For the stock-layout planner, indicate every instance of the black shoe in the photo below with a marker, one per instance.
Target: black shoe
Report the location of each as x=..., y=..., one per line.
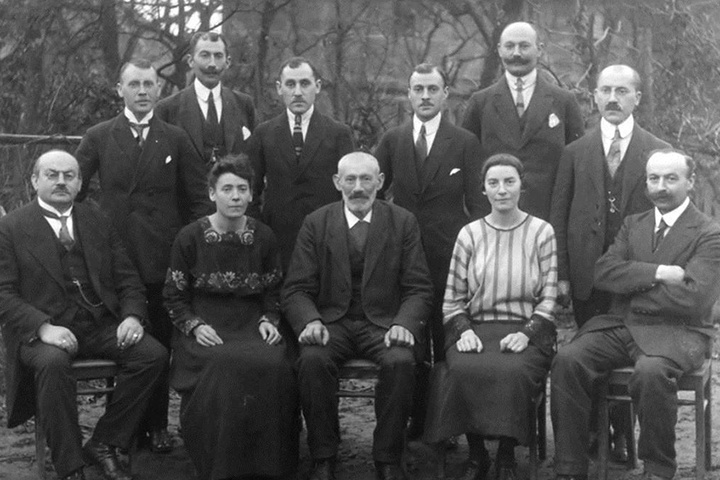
x=323, y=469
x=76, y=475
x=388, y=471
x=619, y=450
x=103, y=456
x=161, y=441
x=476, y=470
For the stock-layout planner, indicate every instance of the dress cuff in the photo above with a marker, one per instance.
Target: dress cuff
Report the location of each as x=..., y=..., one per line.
x=542, y=333
x=190, y=325
x=455, y=327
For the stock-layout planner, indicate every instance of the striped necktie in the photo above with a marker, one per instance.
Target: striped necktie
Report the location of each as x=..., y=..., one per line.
x=298, y=137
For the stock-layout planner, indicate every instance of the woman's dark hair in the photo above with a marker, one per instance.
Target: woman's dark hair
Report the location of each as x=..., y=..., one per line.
x=502, y=159
x=236, y=164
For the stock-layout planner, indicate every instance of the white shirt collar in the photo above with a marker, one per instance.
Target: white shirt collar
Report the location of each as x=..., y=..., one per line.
x=626, y=128
x=203, y=92
x=305, y=117
x=54, y=210
x=131, y=116
x=528, y=80
x=672, y=216
x=431, y=126
x=352, y=219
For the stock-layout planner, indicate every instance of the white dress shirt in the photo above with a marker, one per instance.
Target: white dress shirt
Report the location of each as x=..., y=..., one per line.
x=670, y=217
x=202, y=93
x=54, y=222
x=608, y=133
x=304, y=120
x=431, y=128
x=352, y=219
x=146, y=119
x=529, y=82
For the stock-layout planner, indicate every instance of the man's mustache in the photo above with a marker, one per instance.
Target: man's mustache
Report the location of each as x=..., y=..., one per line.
x=613, y=107
x=354, y=196
x=517, y=61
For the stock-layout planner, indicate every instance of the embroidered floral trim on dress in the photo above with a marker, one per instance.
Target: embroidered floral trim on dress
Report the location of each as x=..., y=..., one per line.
x=246, y=237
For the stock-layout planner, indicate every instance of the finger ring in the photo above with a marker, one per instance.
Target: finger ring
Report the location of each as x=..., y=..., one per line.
x=136, y=335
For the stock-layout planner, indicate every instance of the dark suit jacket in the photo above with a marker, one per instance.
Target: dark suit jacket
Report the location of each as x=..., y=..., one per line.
x=148, y=196
x=182, y=109
x=293, y=189
x=396, y=287
x=552, y=120
x=579, y=202
x=672, y=321
x=449, y=183
x=32, y=287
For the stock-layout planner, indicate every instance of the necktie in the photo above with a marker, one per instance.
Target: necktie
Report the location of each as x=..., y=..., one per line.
x=358, y=234
x=660, y=234
x=64, y=236
x=298, y=136
x=421, y=150
x=613, y=155
x=212, y=116
x=139, y=128
x=519, y=102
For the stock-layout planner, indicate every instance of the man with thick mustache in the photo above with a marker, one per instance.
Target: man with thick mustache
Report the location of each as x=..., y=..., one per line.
x=663, y=273
x=219, y=120
x=357, y=285
x=525, y=115
x=152, y=183
x=434, y=169
x=295, y=154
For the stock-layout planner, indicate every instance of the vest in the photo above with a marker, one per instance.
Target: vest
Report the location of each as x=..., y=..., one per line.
x=613, y=215
x=357, y=267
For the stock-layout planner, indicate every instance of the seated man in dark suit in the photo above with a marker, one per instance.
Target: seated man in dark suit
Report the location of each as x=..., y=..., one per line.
x=358, y=286
x=68, y=290
x=663, y=272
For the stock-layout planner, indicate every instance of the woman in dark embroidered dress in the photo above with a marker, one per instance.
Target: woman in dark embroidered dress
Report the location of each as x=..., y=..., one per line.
x=230, y=364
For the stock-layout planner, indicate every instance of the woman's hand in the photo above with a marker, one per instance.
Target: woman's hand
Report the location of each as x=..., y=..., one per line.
x=469, y=342
x=269, y=333
x=514, y=342
x=206, y=336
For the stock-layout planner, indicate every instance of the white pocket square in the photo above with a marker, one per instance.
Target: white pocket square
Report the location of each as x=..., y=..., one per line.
x=454, y=171
x=246, y=133
x=168, y=159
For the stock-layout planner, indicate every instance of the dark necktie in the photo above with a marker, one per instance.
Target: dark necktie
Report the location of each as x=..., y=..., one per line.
x=421, y=150
x=613, y=156
x=660, y=234
x=519, y=102
x=298, y=136
x=139, y=128
x=212, y=116
x=64, y=236
x=358, y=235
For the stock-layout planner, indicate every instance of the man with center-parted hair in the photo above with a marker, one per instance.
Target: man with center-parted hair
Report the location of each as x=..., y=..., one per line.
x=218, y=119
x=152, y=183
x=295, y=155
x=357, y=286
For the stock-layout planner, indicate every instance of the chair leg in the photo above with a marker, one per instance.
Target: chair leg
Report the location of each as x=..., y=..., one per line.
x=542, y=428
x=708, y=425
x=533, y=440
x=700, y=432
x=603, y=433
x=40, y=448
x=630, y=439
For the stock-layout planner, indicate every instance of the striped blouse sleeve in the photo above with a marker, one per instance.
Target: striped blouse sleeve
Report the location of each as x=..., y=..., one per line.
x=547, y=256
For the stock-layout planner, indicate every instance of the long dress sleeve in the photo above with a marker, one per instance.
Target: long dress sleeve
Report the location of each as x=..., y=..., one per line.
x=177, y=291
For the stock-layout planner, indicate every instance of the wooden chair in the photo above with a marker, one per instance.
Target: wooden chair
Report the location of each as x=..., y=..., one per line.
x=358, y=369
x=82, y=370
x=697, y=382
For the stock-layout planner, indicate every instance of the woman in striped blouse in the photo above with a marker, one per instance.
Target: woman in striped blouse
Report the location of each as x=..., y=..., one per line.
x=498, y=316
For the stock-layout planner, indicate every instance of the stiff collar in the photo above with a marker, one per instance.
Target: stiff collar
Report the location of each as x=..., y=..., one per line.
x=608, y=129
x=131, y=116
x=203, y=92
x=54, y=210
x=528, y=80
x=304, y=118
x=431, y=126
x=672, y=216
x=352, y=219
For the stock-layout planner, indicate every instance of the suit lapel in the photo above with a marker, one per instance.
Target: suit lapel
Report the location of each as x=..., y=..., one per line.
x=38, y=236
x=405, y=155
x=540, y=104
x=149, y=154
x=634, y=166
x=191, y=117
x=679, y=236
x=506, y=114
x=230, y=119
x=338, y=241
x=596, y=163
x=376, y=241
x=313, y=138
x=284, y=142
x=90, y=239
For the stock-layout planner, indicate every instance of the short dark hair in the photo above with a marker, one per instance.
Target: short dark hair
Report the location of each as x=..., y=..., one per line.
x=236, y=164
x=210, y=36
x=142, y=63
x=689, y=161
x=429, y=68
x=295, y=62
x=502, y=159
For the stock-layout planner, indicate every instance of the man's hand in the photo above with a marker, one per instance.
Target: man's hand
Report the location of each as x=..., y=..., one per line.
x=206, y=336
x=514, y=342
x=670, y=274
x=314, y=333
x=129, y=332
x=563, y=293
x=61, y=337
x=269, y=333
x=469, y=342
x=400, y=336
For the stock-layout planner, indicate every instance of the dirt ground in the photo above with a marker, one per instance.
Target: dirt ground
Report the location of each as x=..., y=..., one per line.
x=355, y=462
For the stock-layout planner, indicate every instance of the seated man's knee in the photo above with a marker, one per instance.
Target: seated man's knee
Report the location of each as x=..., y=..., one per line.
x=314, y=358
x=401, y=358
x=51, y=359
x=650, y=371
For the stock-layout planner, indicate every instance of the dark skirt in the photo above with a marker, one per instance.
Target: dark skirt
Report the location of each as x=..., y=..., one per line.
x=239, y=411
x=489, y=393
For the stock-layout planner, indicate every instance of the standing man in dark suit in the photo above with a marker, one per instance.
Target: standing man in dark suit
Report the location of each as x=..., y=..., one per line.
x=219, y=120
x=434, y=169
x=296, y=154
x=600, y=181
x=525, y=115
x=358, y=285
x=68, y=290
x=663, y=271
x=149, y=171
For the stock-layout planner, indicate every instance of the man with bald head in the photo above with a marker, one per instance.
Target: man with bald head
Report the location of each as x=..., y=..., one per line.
x=525, y=115
x=663, y=275
x=69, y=291
x=357, y=286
